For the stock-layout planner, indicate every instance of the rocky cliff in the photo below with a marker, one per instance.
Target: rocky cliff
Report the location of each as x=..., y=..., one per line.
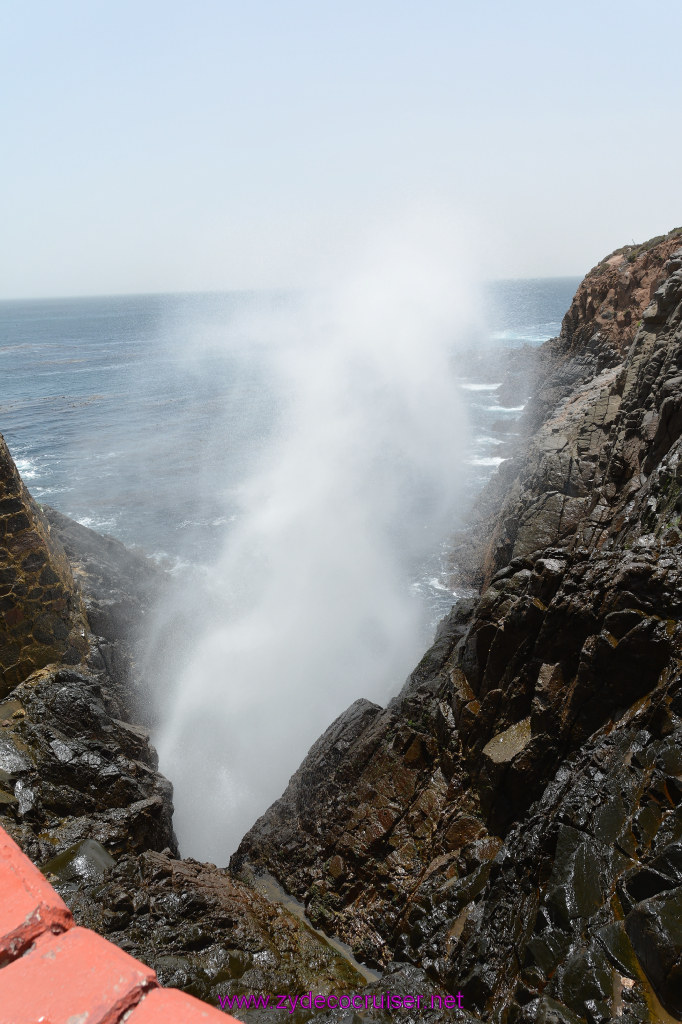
x=577, y=388
x=512, y=822
x=510, y=826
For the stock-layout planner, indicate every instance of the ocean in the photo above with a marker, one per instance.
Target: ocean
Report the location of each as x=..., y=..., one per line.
x=111, y=419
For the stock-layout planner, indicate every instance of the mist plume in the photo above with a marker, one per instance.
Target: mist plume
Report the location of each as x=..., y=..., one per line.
x=308, y=605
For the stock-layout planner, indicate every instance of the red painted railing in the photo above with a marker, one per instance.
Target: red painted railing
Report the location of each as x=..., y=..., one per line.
x=52, y=972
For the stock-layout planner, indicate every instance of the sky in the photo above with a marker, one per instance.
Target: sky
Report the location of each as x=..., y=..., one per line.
x=174, y=146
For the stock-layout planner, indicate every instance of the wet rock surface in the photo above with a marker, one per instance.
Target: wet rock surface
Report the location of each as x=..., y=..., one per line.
x=72, y=770
x=581, y=878
x=202, y=930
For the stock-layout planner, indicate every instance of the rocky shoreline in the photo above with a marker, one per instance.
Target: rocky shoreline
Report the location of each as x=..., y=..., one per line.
x=509, y=826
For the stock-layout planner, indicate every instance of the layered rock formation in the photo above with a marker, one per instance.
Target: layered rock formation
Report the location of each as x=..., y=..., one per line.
x=511, y=822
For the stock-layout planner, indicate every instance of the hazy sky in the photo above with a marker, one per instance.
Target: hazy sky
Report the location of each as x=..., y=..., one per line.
x=159, y=146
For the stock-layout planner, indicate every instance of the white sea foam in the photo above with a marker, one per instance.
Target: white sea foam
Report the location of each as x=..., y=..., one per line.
x=45, y=492
x=192, y=524
x=101, y=524
x=438, y=584
x=531, y=337
x=480, y=387
x=491, y=461
x=27, y=468
x=173, y=564
x=485, y=439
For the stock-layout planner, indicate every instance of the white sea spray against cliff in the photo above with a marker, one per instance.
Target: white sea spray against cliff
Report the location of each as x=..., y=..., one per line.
x=307, y=607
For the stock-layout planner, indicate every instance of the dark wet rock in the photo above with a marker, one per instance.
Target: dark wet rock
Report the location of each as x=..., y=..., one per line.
x=654, y=927
x=77, y=772
x=217, y=937
x=86, y=861
x=393, y=998
x=569, y=865
x=206, y=932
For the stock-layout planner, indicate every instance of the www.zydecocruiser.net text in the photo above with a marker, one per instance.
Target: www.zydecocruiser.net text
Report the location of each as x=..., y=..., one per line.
x=357, y=1001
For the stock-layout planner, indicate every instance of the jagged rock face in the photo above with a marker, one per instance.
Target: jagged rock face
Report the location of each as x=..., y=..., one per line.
x=119, y=585
x=510, y=823
x=71, y=770
x=42, y=619
x=217, y=938
x=438, y=778
x=601, y=323
x=605, y=466
x=566, y=643
x=582, y=906
x=380, y=799
x=612, y=296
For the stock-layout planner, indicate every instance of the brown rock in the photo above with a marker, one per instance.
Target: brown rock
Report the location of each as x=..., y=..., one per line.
x=42, y=618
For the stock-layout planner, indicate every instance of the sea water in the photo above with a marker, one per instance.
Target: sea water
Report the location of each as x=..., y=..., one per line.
x=109, y=418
